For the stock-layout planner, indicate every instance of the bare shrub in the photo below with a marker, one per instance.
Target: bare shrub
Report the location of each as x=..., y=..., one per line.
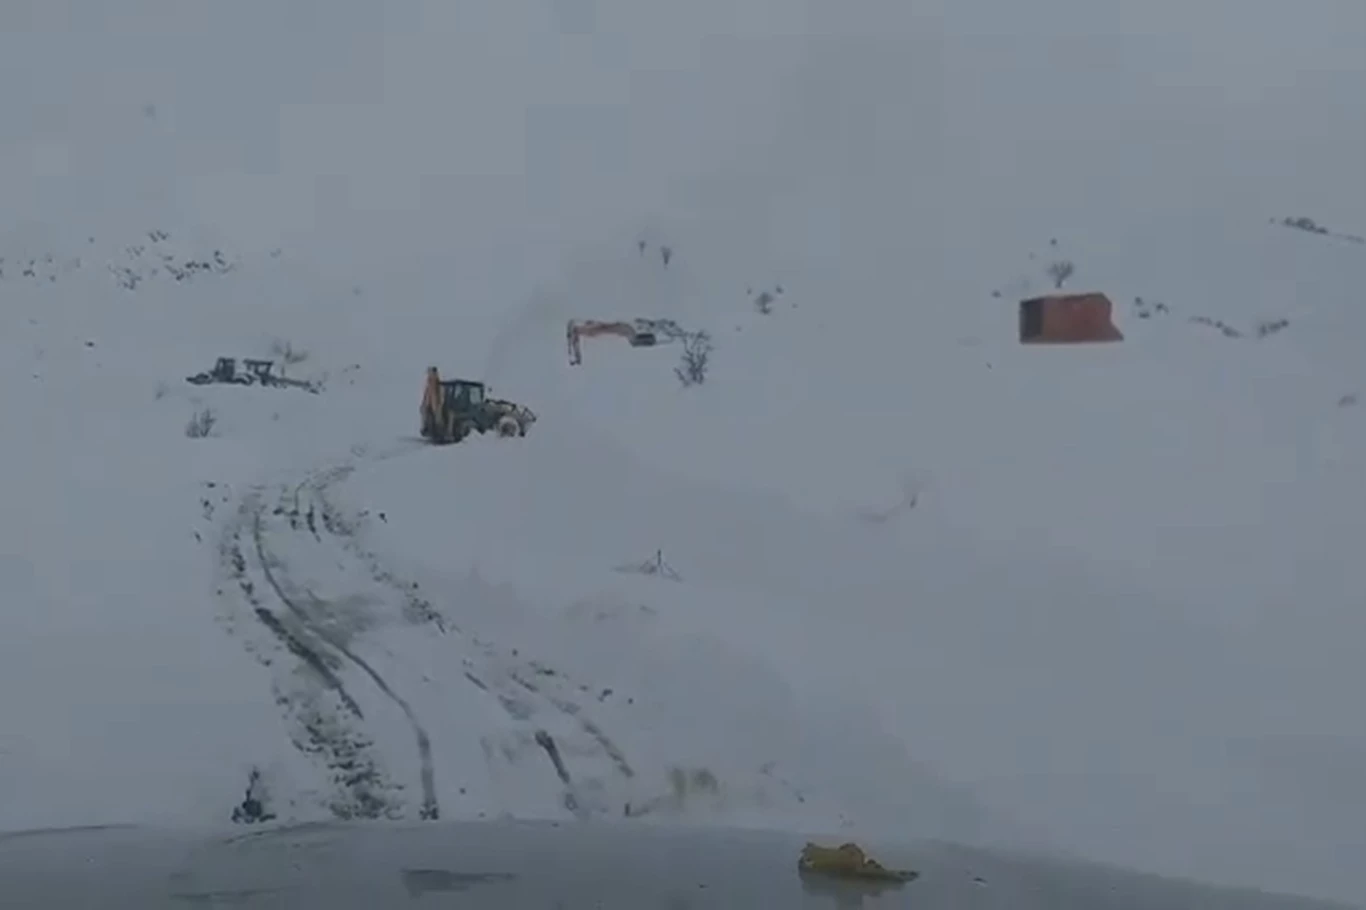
x=1147, y=309
x=765, y=299
x=255, y=805
x=655, y=565
x=287, y=354
x=202, y=424
x=696, y=359
x=1270, y=327
x=1224, y=328
x=1060, y=271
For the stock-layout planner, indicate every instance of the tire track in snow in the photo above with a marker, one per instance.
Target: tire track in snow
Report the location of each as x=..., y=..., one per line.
x=431, y=808
x=518, y=676
x=305, y=507
x=495, y=669
x=363, y=789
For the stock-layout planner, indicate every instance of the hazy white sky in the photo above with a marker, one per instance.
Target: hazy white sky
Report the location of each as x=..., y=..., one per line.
x=437, y=106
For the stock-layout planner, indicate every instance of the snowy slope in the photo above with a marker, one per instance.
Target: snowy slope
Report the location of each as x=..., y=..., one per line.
x=929, y=582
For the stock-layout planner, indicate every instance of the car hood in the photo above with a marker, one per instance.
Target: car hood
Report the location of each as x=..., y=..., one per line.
x=509, y=865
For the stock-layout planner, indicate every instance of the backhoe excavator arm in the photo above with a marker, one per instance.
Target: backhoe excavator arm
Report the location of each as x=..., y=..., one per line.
x=577, y=329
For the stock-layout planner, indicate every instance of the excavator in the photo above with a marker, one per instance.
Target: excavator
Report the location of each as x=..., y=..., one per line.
x=452, y=409
x=636, y=335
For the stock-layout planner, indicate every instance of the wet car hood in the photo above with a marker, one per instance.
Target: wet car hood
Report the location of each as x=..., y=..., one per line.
x=548, y=866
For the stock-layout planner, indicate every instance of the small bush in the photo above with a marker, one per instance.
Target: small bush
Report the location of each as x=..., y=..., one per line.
x=1060, y=271
x=764, y=300
x=287, y=354
x=1224, y=328
x=655, y=566
x=1271, y=327
x=696, y=359
x=202, y=424
x=254, y=807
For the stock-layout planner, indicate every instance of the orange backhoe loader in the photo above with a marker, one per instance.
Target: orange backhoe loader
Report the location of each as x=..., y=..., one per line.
x=452, y=409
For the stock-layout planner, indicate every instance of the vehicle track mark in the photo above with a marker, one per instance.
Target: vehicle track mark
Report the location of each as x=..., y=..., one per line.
x=431, y=808
x=362, y=789
x=305, y=630
x=496, y=657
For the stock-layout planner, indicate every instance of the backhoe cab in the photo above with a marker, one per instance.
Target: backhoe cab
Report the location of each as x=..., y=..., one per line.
x=225, y=371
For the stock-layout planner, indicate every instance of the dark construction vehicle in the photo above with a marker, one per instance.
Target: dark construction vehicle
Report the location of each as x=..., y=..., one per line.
x=454, y=408
x=254, y=372
x=224, y=371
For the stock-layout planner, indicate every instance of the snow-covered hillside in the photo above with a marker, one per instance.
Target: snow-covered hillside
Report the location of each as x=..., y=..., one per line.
x=910, y=576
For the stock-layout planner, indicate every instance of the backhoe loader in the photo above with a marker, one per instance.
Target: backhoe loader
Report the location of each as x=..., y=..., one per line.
x=452, y=409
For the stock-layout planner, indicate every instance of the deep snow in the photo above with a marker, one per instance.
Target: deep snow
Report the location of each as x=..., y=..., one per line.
x=1123, y=617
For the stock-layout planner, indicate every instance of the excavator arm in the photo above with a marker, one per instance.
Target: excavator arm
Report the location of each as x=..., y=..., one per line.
x=579, y=328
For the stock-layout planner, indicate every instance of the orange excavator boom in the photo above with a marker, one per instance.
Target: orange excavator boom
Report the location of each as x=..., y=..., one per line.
x=580, y=328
